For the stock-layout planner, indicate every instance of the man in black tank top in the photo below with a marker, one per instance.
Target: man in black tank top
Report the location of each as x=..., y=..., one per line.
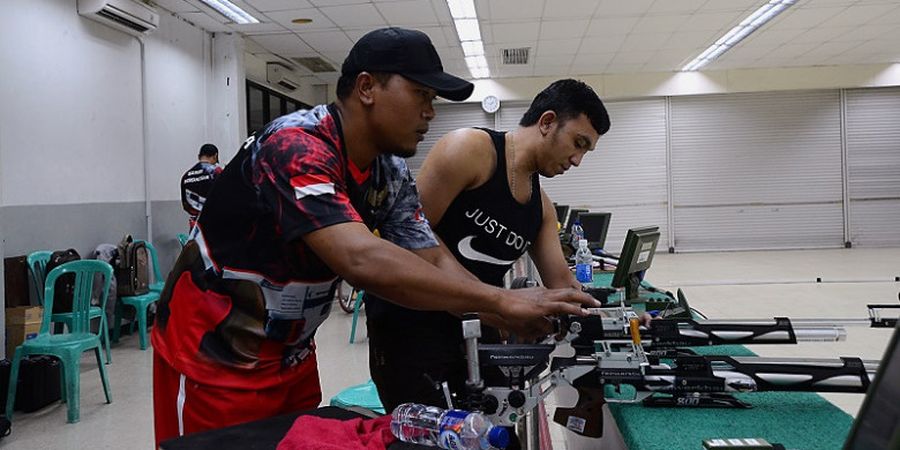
x=481, y=193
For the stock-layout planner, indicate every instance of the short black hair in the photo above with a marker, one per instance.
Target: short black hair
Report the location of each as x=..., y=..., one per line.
x=347, y=81
x=208, y=150
x=568, y=98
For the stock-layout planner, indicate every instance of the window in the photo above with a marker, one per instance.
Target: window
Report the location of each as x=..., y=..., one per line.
x=255, y=112
x=276, y=106
x=264, y=105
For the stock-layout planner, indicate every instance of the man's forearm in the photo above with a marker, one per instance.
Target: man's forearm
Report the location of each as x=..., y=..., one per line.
x=441, y=258
x=439, y=283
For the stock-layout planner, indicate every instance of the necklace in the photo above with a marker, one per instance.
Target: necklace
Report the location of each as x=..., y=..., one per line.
x=512, y=163
x=510, y=144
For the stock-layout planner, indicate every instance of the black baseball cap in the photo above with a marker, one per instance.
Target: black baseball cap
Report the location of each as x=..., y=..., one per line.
x=208, y=150
x=408, y=53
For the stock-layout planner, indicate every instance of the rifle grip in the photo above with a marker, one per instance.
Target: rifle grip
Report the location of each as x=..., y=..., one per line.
x=586, y=417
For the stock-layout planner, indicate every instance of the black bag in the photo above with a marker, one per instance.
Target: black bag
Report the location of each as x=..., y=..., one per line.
x=132, y=268
x=5, y=367
x=5, y=427
x=64, y=290
x=39, y=378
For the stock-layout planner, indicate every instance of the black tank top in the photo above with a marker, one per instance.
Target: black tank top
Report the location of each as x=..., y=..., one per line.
x=487, y=230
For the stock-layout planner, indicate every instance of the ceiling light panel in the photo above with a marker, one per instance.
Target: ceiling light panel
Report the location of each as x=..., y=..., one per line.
x=735, y=35
x=473, y=48
x=465, y=19
x=462, y=9
x=231, y=11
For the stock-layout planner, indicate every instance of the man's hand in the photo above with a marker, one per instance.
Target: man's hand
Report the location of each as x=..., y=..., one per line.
x=527, y=312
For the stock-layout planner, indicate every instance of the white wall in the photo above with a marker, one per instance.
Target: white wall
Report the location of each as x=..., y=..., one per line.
x=70, y=104
x=177, y=66
x=71, y=123
x=227, y=104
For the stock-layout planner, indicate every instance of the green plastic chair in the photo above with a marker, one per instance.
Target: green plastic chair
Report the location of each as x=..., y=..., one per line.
x=362, y=396
x=140, y=303
x=356, y=306
x=183, y=239
x=37, y=267
x=67, y=347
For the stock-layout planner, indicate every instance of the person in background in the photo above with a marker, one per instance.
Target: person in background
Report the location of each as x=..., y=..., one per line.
x=197, y=182
x=294, y=211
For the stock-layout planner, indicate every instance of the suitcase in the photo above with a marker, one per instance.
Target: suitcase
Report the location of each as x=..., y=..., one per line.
x=39, y=378
x=5, y=366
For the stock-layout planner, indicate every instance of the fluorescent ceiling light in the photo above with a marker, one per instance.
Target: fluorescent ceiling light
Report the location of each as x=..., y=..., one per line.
x=473, y=48
x=478, y=66
x=469, y=34
x=480, y=72
x=462, y=9
x=476, y=61
x=231, y=11
x=734, y=36
x=467, y=29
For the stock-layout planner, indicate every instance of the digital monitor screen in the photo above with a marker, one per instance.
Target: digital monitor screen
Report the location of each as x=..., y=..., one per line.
x=636, y=257
x=595, y=226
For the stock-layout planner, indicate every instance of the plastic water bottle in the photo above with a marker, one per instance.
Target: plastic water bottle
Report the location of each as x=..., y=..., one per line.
x=450, y=429
x=584, y=271
x=577, y=233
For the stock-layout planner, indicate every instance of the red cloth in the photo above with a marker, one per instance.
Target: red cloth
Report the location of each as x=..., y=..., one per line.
x=317, y=433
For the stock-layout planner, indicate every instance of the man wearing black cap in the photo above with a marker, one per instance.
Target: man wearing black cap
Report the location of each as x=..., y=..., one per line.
x=292, y=212
x=198, y=180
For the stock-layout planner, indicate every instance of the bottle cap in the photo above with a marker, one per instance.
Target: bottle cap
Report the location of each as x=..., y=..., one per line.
x=498, y=437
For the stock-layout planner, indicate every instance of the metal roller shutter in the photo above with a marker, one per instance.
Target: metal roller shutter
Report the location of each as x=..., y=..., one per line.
x=509, y=115
x=872, y=119
x=449, y=117
x=757, y=171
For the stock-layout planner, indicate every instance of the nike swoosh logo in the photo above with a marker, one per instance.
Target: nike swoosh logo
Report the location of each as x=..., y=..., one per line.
x=466, y=250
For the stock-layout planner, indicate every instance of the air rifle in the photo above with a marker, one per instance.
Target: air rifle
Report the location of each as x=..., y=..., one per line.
x=612, y=351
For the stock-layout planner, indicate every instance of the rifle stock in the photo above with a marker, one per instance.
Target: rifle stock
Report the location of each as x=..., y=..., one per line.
x=586, y=417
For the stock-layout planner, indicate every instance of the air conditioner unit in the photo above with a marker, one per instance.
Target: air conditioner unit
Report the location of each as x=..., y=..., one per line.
x=130, y=16
x=279, y=75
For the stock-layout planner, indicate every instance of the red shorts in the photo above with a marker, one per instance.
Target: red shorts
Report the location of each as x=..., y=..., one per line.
x=182, y=406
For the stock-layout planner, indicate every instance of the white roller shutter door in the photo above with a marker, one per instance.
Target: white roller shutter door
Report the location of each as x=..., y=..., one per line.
x=448, y=117
x=757, y=171
x=510, y=114
x=873, y=160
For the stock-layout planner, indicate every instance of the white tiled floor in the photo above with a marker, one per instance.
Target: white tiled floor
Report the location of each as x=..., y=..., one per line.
x=723, y=285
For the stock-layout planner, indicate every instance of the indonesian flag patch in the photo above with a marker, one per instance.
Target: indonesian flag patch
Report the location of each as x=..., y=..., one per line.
x=311, y=184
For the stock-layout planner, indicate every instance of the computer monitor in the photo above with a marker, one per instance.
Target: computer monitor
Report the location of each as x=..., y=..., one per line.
x=636, y=256
x=877, y=425
x=595, y=226
x=561, y=211
x=573, y=215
